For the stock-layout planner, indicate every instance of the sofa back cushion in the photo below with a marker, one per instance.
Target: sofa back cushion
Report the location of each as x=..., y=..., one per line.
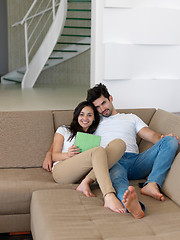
x=164, y=123
x=62, y=117
x=25, y=138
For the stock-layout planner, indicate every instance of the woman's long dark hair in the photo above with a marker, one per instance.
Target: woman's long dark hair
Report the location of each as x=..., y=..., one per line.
x=75, y=127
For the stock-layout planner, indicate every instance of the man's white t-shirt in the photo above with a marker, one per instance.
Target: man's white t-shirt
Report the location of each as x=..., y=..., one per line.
x=123, y=126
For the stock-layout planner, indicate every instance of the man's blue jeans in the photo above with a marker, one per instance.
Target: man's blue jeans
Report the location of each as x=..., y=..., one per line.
x=154, y=163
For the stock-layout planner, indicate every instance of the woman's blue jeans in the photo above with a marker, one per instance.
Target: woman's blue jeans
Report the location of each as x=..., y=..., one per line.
x=154, y=163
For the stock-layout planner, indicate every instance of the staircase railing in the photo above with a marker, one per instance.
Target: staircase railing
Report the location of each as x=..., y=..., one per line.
x=35, y=32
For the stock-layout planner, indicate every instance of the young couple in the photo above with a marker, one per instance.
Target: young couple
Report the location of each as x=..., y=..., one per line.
x=118, y=152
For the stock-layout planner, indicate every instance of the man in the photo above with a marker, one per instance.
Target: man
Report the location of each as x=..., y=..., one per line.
x=153, y=163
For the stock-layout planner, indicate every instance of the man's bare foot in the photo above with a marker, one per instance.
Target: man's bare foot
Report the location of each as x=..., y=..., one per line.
x=151, y=189
x=112, y=202
x=130, y=200
x=85, y=188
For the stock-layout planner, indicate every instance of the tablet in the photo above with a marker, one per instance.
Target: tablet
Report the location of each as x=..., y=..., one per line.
x=85, y=141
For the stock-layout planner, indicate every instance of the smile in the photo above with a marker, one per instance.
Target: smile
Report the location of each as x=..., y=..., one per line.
x=105, y=111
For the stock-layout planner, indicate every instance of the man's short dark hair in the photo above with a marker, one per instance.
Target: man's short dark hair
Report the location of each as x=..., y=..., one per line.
x=96, y=92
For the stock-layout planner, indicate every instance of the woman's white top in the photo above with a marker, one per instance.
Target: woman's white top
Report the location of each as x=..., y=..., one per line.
x=65, y=132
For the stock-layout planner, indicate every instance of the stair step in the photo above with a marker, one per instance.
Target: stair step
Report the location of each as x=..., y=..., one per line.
x=74, y=35
x=17, y=80
x=79, y=0
x=21, y=72
x=79, y=10
x=55, y=57
x=77, y=27
x=81, y=19
x=73, y=43
x=56, y=50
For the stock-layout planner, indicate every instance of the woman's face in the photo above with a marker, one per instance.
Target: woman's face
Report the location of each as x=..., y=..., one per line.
x=86, y=118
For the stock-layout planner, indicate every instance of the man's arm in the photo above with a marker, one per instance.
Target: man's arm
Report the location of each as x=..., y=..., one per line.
x=152, y=136
x=48, y=162
x=149, y=135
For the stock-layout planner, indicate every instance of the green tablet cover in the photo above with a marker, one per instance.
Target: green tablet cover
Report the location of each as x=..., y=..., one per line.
x=85, y=141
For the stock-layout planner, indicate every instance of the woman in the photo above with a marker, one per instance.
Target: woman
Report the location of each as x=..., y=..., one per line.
x=70, y=165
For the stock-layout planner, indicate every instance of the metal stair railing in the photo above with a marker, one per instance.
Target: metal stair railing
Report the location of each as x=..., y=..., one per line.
x=28, y=20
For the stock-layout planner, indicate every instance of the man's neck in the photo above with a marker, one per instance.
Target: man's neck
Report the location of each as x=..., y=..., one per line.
x=114, y=112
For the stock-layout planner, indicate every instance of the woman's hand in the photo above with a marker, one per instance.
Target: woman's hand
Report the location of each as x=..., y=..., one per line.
x=72, y=151
x=57, y=154
x=47, y=164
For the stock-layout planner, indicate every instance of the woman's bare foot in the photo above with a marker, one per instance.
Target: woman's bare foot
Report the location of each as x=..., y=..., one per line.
x=112, y=202
x=151, y=189
x=131, y=202
x=85, y=188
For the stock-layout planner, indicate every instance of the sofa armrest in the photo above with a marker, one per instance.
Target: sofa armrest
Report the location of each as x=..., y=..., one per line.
x=171, y=186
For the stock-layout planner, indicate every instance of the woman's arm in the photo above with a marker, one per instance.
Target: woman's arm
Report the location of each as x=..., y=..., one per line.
x=47, y=164
x=57, y=154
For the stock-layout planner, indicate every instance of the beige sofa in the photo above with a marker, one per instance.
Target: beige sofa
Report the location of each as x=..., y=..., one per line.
x=57, y=210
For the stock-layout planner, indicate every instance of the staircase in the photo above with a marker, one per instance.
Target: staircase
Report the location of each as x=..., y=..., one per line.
x=72, y=22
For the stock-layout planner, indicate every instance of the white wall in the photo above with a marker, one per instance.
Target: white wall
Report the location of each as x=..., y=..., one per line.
x=136, y=52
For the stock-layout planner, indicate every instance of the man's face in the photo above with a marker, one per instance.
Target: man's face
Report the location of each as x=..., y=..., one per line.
x=104, y=106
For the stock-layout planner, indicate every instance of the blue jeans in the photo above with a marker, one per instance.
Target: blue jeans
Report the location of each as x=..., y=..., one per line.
x=154, y=163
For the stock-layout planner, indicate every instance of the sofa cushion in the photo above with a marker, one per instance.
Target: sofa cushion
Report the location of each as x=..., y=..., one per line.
x=25, y=138
x=164, y=123
x=171, y=185
x=62, y=117
x=17, y=185
x=67, y=214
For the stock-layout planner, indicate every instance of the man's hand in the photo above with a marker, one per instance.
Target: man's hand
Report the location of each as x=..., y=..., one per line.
x=170, y=134
x=47, y=164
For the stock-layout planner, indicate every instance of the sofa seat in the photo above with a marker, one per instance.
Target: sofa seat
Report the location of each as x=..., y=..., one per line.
x=68, y=214
x=17, y=185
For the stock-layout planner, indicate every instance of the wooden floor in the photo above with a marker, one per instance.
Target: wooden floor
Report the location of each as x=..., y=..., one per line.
x=41, y=97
